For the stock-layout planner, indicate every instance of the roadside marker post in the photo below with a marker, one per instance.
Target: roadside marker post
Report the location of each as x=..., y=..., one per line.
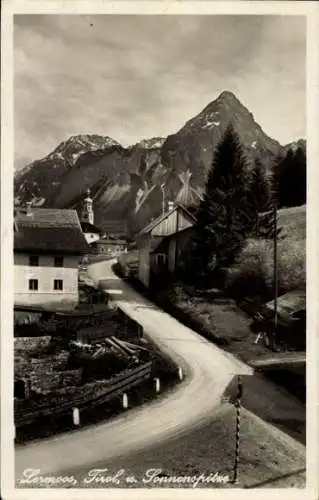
x=180, y=373
x=238, y=417
x=125, y=401
x=157, y=385
x=76, y=416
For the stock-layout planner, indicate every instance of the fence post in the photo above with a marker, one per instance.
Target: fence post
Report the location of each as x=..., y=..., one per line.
x=237, y=432
x=76, y=416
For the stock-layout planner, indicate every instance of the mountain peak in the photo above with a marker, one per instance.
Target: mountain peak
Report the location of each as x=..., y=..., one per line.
x=76, y=145
x=228, y=95
x=92, y=141
x=126, y=181
x=226, y=100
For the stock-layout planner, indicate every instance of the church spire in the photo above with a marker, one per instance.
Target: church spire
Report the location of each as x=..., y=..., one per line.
x=87, y=212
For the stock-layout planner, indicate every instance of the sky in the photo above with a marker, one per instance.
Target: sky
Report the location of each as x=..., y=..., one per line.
x=135, y=77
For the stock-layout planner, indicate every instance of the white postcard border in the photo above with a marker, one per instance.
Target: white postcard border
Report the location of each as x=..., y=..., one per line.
x=167, y=7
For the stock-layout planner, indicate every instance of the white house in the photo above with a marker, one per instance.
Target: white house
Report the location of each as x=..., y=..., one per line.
x=48, y=245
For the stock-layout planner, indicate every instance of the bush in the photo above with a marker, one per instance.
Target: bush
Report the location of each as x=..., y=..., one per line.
x=253, y=271
x=291, y=264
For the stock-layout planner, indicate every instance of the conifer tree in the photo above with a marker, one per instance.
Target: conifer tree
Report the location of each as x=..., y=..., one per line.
x=258, y=209
x=291, y=178
x=221, y=223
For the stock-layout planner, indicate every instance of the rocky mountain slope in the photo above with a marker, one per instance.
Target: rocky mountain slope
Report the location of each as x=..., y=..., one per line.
x=128, y=183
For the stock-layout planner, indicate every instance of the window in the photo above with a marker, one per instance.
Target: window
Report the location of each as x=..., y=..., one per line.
x=58, y=261
x=160, y=259
x=33, y=260
x=58, y=285
x=33, y=284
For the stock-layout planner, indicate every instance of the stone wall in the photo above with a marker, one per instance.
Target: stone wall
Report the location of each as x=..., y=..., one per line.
x=49, y=382
x=31, y=344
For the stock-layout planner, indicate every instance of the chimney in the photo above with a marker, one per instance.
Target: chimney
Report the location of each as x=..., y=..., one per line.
x=29, y=206
x=170, y=205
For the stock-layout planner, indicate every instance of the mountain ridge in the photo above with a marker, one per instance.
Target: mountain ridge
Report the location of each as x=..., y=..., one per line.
x=126, y=181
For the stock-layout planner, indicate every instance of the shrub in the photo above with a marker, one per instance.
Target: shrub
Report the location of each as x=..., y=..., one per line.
x=246, y=276
x=291, y=264
x=253, y=271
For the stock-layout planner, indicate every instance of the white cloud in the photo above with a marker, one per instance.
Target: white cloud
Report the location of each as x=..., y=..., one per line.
x=142, y=76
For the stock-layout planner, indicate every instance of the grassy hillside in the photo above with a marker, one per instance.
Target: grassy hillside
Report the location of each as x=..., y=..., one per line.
x=253, y=271
x=293, y=222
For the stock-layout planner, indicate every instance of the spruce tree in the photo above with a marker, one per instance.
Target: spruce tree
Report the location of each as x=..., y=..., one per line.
x=259, y=204
x=291, y=178
x=221, y=222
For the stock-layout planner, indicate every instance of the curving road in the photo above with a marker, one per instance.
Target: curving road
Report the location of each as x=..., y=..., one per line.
x=208, y=370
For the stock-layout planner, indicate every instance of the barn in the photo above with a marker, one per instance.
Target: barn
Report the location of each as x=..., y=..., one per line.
x=161, y=241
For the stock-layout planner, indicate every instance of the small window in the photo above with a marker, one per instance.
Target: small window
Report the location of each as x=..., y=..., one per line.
x=160, y=259
x=33, y=284
x=58, y=261
x=58, y=285
x=33, y=260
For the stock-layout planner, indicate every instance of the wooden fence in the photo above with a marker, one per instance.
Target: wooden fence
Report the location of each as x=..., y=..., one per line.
x=97, y=393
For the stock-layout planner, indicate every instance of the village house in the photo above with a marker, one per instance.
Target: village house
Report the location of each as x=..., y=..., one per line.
x=111, y=240
x=162, y=241
x=48, y=246
x=109, y=247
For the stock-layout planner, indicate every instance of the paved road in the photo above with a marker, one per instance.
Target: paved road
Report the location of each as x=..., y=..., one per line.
x=208, y=371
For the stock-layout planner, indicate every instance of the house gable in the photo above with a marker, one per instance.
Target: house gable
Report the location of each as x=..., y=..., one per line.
x=177, y=219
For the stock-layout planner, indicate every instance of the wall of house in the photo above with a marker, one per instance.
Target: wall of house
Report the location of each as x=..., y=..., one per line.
x=91, y=237
x=45, y=273
x=176, y=247
x=172, y=257
x=144, y=265
x=110, y=248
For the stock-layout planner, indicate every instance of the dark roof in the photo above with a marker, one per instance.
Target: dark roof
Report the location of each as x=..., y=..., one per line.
x=147, y=229
x=111, y=241
x=290, y=302
x=90, y=228
x=50, y=240
x=49, y=231
x=115, y=227
x=47, y=217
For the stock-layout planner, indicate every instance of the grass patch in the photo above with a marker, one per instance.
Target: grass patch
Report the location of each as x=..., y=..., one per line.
x=266, y=458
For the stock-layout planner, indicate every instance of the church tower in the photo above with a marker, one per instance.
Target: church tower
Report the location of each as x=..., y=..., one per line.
x=87, y=212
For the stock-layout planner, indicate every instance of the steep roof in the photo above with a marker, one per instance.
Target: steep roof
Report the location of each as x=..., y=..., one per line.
x=147, y=229
x=90, y=228
x=49, y=231
x=47, y=217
